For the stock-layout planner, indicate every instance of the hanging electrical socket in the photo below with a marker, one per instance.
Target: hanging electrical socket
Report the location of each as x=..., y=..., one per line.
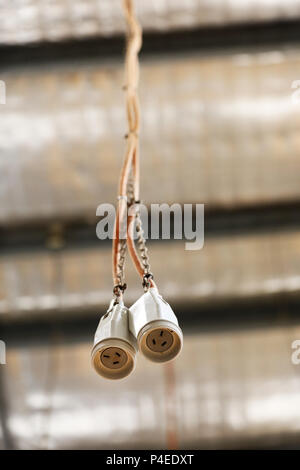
x=155, y=326
x=114, y=351
x=150, y=322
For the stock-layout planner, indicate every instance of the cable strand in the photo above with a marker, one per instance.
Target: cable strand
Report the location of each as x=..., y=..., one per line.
x=130, y=190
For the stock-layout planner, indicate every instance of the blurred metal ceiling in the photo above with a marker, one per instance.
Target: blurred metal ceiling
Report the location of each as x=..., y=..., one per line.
x=29, y=21
x=37, y=285
x=231, y=389
x=223, y=130
x=236, y=142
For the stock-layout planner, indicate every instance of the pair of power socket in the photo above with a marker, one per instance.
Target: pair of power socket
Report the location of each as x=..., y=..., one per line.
x=149, y=326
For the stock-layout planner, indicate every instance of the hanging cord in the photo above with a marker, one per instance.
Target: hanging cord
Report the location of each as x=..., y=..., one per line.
x=129, y=193
x=119, y=239
x=134, y=221
x=134, y=41
x=132, y=66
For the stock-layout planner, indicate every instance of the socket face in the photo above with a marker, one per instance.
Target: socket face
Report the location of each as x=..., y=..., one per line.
x=114, y=358
x=159, y=340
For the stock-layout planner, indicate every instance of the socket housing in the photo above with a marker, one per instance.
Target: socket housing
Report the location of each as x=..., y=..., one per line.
x=114, y=351
x=155, y=326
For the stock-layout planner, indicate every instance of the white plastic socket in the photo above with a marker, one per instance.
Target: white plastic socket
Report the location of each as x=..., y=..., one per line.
x=155, y=326
x=114, y=351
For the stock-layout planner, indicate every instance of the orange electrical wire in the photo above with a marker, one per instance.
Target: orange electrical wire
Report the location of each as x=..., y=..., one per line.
x=121, y=210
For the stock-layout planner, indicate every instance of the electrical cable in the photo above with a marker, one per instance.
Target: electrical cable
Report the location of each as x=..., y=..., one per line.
x=129, y=190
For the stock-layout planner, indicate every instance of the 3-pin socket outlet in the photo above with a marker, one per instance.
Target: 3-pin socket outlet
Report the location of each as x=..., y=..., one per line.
x=114, y=351
x=154, y=324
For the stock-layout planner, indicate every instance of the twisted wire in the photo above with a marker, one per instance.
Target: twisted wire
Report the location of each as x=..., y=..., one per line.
x=129, y=190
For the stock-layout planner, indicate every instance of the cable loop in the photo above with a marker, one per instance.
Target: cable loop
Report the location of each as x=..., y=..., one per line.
x=118, y=291
x=146, y=281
